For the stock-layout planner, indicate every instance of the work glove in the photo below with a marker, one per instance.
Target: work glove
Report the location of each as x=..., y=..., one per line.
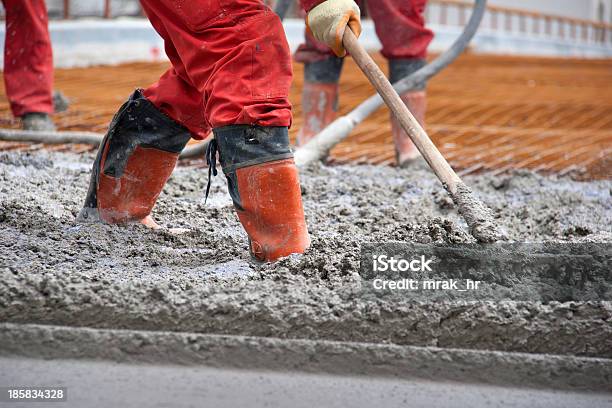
x=327, y=22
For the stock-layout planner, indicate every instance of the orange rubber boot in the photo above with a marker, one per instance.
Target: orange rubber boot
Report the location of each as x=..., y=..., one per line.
x=415, y=100
x=135, y=159
x=264, y=185
x=319, y=97
x=405, y=150
x=319, y=109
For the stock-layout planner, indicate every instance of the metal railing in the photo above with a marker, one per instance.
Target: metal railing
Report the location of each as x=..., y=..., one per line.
x=524, y=22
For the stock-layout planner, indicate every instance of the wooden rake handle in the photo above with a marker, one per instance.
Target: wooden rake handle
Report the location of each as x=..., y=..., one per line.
x=411, y=126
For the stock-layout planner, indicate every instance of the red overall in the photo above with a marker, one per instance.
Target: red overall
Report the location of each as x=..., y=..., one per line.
x=28, y=59
x=399, y=24
x=231, y=64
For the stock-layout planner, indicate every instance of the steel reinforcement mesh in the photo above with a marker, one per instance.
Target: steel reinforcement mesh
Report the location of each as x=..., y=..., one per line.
x=485, y=113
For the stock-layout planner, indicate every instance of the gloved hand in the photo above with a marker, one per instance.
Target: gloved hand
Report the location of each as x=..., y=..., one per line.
x=328, y=20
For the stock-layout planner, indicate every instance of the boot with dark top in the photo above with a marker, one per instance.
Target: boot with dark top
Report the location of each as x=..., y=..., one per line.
x=134, y=161
x=37, y=121
x=264, y=184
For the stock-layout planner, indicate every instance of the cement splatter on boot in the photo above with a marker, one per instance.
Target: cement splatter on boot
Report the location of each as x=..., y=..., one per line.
x=60, y=102
x=37, y=121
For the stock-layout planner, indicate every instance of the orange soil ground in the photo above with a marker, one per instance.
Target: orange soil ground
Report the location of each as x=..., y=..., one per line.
x=485, y=112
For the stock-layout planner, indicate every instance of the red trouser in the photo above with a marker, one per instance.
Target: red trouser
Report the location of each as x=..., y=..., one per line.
x=399, y=24
x=28, y=59
x=230, y=64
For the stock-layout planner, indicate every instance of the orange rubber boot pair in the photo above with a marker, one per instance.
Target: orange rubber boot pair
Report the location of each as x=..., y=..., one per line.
x=320, y=102
x=140, y=151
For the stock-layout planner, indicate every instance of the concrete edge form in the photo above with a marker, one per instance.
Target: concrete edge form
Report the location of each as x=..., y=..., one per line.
x=330, y=357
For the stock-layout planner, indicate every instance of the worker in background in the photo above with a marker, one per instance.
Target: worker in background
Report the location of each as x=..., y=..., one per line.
x=28, y=63
x=231, y=72
x=400, y=26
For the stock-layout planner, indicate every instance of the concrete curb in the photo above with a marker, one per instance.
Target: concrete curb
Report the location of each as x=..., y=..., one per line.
x=338, y=358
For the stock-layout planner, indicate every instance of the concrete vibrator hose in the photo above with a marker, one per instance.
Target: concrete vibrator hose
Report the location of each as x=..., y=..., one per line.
x=90, y=138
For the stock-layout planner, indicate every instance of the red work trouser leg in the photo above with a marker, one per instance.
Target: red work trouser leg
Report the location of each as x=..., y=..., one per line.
x=399, y=24
x=181, y=101
x=230, y=61
x=28, y=59
x=401, y=29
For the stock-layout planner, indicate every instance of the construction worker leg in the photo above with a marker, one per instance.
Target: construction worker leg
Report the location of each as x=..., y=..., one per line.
x=237, y=57
x=181, y=101
x=320, y=90
x=400, y=25
x=143, y=143
x=28, y=60
x=174, y=93
x=233, y=52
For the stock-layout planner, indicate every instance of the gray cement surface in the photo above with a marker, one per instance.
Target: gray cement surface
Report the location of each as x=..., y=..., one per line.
x=56, y=271
x=518, y=370
x=107, y=384
x=109, y=367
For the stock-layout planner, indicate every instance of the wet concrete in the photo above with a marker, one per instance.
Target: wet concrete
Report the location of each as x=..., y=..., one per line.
x=55, y=271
